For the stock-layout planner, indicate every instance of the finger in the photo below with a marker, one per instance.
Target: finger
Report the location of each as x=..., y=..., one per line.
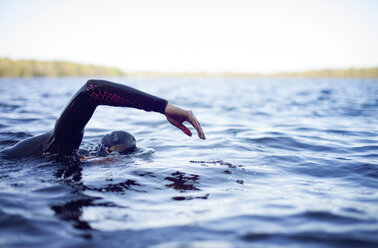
x=195, y=123
x=185, y=130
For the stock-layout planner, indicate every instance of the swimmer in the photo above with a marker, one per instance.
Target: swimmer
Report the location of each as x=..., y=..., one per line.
x=66, y=137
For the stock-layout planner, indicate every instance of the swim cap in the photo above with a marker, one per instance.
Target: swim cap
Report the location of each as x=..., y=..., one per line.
x=119, y=141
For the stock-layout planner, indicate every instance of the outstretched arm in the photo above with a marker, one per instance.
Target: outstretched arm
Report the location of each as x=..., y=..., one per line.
x=108, y=93
x=69, y=127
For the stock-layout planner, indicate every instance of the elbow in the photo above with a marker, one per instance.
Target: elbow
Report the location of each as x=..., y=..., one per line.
x=90, y=83
x=94, y=83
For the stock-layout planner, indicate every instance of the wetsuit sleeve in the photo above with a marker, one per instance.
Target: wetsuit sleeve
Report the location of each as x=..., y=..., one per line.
x=103, y=92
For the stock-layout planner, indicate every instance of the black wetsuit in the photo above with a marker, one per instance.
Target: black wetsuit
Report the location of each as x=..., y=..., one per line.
x=68, y=132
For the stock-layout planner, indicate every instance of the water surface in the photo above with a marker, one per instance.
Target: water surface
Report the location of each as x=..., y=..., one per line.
x=288, y=162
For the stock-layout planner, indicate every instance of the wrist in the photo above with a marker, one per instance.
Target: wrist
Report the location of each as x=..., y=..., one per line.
x=167, y=108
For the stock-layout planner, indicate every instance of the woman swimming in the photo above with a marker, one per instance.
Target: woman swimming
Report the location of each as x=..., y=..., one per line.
x=68, y=132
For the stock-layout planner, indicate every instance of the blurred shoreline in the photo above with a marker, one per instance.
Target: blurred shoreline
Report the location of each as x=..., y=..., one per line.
x=324, y=73
x=37, y=68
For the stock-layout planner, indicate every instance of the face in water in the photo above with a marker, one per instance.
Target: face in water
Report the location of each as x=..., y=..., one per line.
x=120, y=141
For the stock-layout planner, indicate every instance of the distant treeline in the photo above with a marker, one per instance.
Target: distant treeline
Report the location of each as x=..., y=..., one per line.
x=347, y=73
x=341, y=73
x=32, y=68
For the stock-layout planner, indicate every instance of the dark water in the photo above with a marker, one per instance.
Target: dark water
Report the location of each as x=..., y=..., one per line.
x=287, y=162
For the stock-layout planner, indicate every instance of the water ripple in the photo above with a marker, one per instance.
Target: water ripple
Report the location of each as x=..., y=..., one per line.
x=287, y=162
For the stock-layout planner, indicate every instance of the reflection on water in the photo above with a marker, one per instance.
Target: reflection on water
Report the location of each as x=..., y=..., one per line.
x=72, y=211
x=287, y=162
x=71, y=173
x=182, y=182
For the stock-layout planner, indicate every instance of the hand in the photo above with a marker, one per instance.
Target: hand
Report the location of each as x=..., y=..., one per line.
x=176, y=116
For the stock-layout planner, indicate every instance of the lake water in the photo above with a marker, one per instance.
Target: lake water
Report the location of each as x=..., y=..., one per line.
x=287, y=162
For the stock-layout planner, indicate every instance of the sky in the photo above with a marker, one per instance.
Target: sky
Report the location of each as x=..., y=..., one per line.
x=194, y=36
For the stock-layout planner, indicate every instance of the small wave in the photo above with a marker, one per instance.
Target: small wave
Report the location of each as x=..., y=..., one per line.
x=365, y=148
x=328, y=217
x=293, y=144
x=188, y=198
x=343, y=237
x=18, y=120
x=351, y=133
x=119, y=187
x=10, y=138
x=216, y=162
x=15, y=134
x=365, y=169
x=318, y=238
x=142, y=152
x=6, y=107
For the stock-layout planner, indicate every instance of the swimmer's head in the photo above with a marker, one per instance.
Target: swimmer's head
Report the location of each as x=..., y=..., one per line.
x=119, y=141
